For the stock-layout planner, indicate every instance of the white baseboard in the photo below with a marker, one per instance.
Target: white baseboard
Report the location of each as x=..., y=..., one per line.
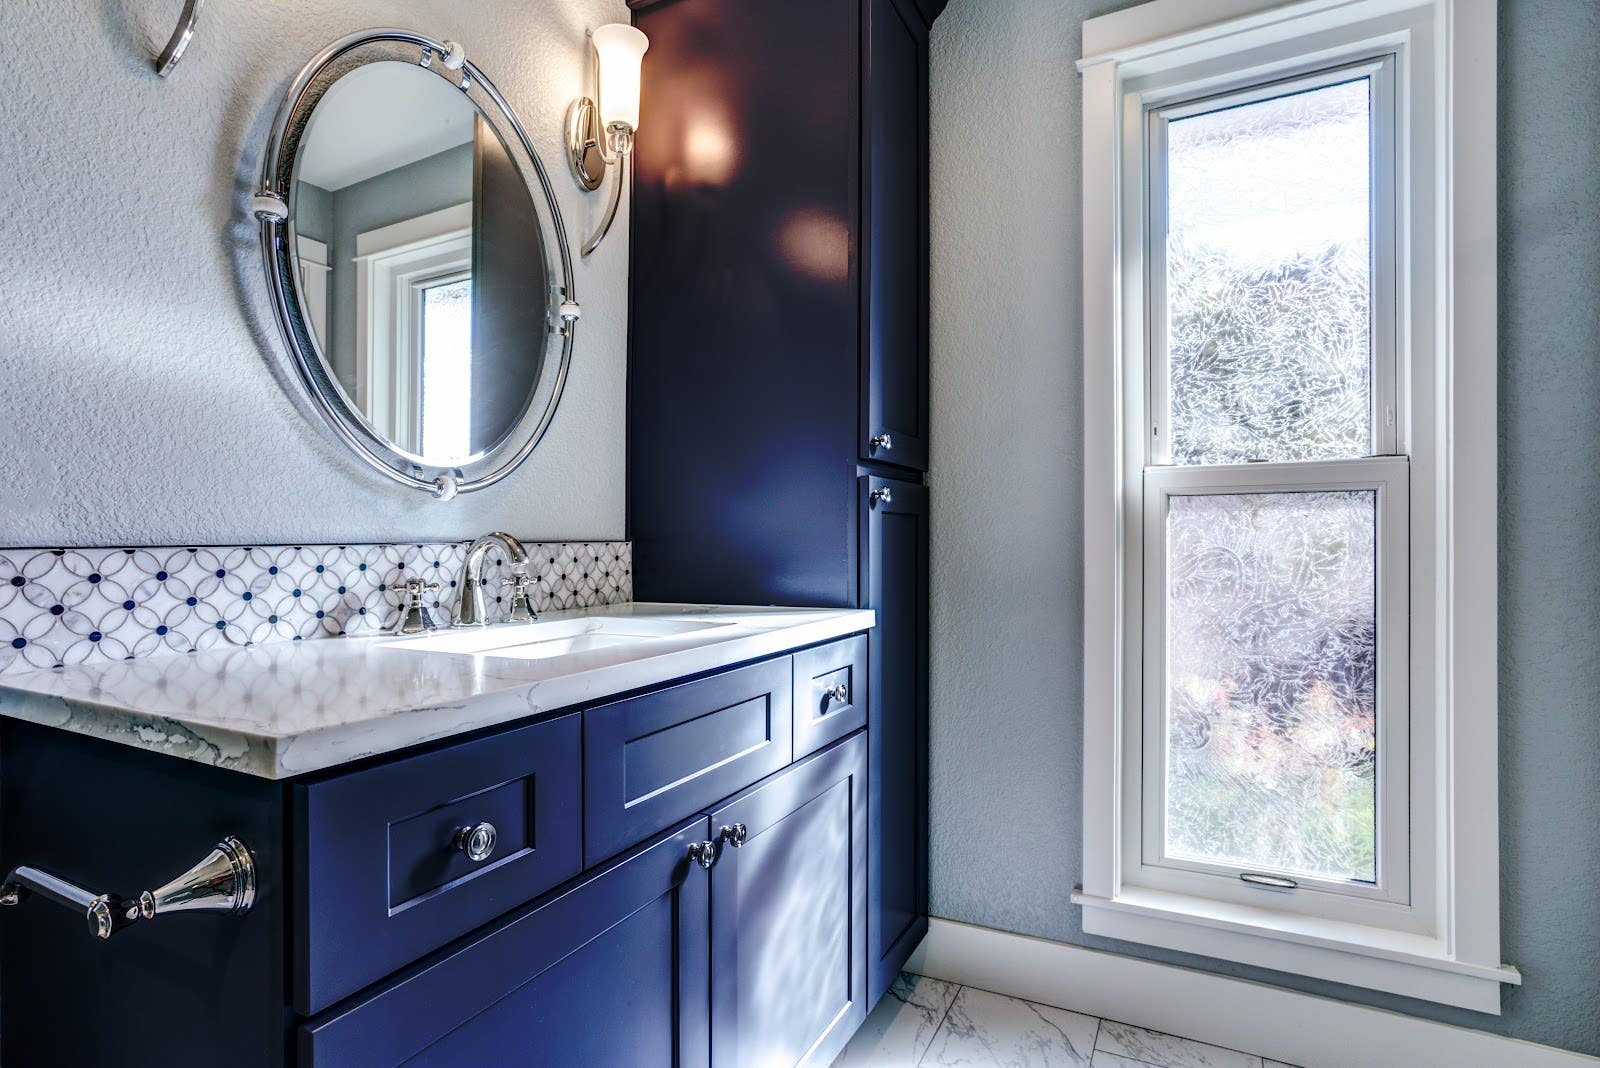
x=1281, y=1024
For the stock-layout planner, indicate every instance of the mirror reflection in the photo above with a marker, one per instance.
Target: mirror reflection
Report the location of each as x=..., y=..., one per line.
x=419, y=262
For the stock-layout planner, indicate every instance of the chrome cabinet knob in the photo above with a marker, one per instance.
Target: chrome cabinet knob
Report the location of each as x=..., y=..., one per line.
x=839, y=693
x=735, y=834
x=882, y=443
x=882, y=495
x=477, y=842
x=703, y=854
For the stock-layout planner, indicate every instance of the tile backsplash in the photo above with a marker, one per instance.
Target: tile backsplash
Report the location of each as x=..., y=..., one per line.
x=69, y=606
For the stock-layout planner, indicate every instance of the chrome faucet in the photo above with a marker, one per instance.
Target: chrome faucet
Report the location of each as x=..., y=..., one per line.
x=470, y=608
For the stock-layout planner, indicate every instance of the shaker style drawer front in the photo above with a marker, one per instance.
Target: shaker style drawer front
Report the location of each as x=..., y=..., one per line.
x=611, y=970
x=660, y=757
x=830, y=693
x=395, y=861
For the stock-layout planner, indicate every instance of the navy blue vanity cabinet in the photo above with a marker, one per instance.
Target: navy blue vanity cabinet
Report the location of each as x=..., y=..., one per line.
x=612, y=970
x=788, y=914
x=379, y=876
x=895, y=584
x=173, y=991
x=778, y=352
x=830, y=693
x=658, y=757
x=742, y=372
x=894, y=368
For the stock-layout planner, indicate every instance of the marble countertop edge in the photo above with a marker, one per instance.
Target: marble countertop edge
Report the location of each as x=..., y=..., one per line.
x=139, y=709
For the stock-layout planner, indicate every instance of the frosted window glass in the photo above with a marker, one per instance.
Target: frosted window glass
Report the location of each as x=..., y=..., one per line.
x=1271, y=659
x=1269, y=281
x=447, y=370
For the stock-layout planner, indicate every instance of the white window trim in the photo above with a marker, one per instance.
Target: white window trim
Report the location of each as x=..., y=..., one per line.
x=393, y=264
x=1451, y=951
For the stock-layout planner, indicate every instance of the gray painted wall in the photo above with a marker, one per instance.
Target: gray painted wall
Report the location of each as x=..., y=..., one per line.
x=1007, y=539
x=142, y=380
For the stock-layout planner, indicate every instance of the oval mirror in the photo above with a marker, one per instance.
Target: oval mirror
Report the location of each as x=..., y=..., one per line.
x=417, y=261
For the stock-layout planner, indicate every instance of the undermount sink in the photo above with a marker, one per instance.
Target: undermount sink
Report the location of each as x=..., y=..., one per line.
x=560, y=637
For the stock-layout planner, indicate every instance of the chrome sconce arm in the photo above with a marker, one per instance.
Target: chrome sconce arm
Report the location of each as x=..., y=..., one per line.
x=600, y=128
x=223, y=881
x=591, y=160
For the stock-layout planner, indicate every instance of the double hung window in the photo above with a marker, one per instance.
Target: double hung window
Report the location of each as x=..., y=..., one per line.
x=1290, y=488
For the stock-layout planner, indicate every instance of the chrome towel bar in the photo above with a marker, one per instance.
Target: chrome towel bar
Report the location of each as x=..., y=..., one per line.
x=223, y=881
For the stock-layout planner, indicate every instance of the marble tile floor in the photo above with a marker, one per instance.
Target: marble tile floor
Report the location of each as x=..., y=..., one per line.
x=929, y=1023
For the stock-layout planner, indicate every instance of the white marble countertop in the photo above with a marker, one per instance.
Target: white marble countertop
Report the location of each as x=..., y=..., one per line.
x=287, y=709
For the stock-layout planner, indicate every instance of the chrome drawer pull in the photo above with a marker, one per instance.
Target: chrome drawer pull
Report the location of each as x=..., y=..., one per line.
x=735, y=834
x=477, y=842
x=223, y=881
x=882, y=495
x=839, y=693
x=703, y=854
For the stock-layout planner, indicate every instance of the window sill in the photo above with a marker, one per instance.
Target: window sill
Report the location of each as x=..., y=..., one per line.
x=1410, y=965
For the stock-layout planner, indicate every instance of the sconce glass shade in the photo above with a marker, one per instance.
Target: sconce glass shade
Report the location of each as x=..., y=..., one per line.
x=620, y=50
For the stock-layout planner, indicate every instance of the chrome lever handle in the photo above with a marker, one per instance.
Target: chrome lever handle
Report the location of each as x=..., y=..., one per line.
x=223, y=881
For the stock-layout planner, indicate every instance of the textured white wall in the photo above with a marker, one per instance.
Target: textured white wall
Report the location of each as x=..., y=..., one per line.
x=143, y=393
x=1007, y=549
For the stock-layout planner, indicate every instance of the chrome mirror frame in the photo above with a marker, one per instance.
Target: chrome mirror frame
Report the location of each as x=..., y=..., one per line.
x=271, y=206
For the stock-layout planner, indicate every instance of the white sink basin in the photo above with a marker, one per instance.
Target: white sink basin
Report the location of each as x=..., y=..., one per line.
x=559, y=637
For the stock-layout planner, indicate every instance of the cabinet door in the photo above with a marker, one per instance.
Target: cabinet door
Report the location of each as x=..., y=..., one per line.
x=895, y=584
x=895, y=157
x=788, y=914
x=612, y=970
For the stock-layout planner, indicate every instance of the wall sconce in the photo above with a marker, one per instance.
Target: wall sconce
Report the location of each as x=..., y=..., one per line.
x=600, y=135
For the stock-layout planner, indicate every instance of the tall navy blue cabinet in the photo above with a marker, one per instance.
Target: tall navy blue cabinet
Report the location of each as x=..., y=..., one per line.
x=778, y=355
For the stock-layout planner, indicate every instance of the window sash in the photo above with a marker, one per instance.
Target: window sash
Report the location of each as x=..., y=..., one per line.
x=1384, y=388
x=1383, y=902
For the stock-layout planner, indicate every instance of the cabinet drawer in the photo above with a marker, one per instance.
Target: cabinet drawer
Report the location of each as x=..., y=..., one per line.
x=379, y=878
x=651, y=760
x=612, y=970
x=830, y=693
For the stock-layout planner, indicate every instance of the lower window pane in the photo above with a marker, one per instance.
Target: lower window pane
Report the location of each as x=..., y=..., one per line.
x=1271, y=658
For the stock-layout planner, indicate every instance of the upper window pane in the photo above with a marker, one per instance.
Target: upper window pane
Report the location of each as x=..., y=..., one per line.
x=1269, y=279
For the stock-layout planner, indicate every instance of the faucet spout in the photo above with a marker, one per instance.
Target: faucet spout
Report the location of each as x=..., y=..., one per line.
x=471, y=610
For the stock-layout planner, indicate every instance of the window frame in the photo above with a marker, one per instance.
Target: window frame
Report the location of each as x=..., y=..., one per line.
x=1442, y=943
